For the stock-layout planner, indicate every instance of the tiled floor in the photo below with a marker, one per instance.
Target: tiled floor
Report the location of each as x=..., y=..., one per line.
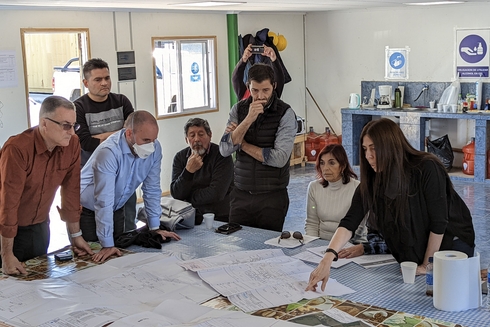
x=476, y=196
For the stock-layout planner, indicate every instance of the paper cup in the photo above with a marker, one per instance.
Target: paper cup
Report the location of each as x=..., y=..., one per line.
x=408, y=271
x=440, y=108
x=454, y=108
x=432, y=104
x=208, y=220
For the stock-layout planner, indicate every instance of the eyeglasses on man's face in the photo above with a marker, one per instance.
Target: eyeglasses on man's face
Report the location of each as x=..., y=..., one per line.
x=296, y=235
x=65, y=126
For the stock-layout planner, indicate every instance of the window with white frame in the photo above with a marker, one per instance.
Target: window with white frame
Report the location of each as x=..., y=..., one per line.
x=185, y=75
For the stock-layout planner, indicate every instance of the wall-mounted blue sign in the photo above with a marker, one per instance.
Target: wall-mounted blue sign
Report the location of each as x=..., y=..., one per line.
x=195, y=68
x=472, y=59
x=396, y=63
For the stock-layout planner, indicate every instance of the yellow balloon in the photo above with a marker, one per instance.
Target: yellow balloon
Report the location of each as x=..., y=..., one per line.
x=282, y=43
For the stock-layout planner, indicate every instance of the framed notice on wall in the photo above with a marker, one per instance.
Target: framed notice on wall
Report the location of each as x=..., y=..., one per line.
x=472, y=58
x=125, y=57
x=396, y=63
x=126, y=73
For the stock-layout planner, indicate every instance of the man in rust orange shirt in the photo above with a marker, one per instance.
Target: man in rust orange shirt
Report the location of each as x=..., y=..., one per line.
x=33, y=165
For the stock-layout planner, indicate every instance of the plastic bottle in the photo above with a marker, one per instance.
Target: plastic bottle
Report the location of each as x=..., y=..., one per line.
x=327, y=138
x=311, y=145
x=333, y=139
x=429, y=277
x=478, y=94
x=323, y=139
x=469, y=157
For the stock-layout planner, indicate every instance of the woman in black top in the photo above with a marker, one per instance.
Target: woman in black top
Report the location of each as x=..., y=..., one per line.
x=410, y=198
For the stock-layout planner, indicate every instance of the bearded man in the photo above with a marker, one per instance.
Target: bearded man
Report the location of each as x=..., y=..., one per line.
x=201, y=175
x=261, y=131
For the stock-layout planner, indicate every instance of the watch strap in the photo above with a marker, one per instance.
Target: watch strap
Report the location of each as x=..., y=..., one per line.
x=334, y=252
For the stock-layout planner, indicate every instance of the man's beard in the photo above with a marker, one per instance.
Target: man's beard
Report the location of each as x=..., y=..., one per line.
x=269, y=101
x=199, y=149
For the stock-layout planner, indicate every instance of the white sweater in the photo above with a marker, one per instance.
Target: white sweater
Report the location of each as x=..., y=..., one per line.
x=326, y=206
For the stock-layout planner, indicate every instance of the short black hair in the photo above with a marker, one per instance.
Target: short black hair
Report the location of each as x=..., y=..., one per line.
x=95, y=63
x=198, y=122
x=260, y=72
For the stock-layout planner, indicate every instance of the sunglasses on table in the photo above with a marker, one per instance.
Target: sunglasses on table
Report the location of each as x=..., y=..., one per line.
x=286, y=235
x=65, y=126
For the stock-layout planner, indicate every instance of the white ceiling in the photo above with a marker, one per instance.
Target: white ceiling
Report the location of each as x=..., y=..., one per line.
x=171, y=5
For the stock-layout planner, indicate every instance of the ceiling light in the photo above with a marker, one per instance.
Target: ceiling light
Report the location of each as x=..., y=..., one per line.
x=208, y=4
x=433, y=3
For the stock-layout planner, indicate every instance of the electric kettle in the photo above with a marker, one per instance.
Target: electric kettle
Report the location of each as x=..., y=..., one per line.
x=354, y=101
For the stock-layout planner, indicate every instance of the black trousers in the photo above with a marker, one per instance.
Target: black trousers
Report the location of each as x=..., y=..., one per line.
x=265, y=210
x=130, y=214
x=31, y=241
x=89, y=227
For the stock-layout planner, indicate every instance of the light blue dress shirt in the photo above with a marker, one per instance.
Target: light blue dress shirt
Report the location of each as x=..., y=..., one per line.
x=111, y=176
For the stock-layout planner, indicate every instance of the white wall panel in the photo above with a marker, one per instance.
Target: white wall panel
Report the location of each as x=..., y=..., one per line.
x=347, y=47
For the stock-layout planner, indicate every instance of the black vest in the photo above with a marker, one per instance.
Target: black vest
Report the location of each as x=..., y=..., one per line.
x=250, y=174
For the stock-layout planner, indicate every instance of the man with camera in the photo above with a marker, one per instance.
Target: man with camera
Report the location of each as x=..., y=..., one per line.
x=239, y=86
x=261, y=130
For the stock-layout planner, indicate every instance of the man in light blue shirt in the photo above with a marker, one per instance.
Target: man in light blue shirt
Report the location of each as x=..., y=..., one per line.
x=117, y=167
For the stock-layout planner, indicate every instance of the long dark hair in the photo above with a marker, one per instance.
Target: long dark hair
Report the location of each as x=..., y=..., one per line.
x=394, y=158
x=338, y=152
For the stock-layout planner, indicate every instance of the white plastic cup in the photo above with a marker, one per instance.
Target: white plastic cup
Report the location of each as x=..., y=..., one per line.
x=454, y=108
x=447, y=108
x=208, y=220
x=408, y=271
x=432, y=104
x=440, y=107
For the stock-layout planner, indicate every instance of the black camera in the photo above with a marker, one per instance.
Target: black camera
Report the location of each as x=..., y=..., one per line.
x=257, y=49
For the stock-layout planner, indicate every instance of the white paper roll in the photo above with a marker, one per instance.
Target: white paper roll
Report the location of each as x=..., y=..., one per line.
x=457, y=284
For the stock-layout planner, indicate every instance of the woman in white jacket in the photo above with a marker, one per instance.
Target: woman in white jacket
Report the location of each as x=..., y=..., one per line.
x=330, y=196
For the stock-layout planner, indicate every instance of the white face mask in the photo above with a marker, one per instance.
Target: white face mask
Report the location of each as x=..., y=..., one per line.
x=144, y=150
